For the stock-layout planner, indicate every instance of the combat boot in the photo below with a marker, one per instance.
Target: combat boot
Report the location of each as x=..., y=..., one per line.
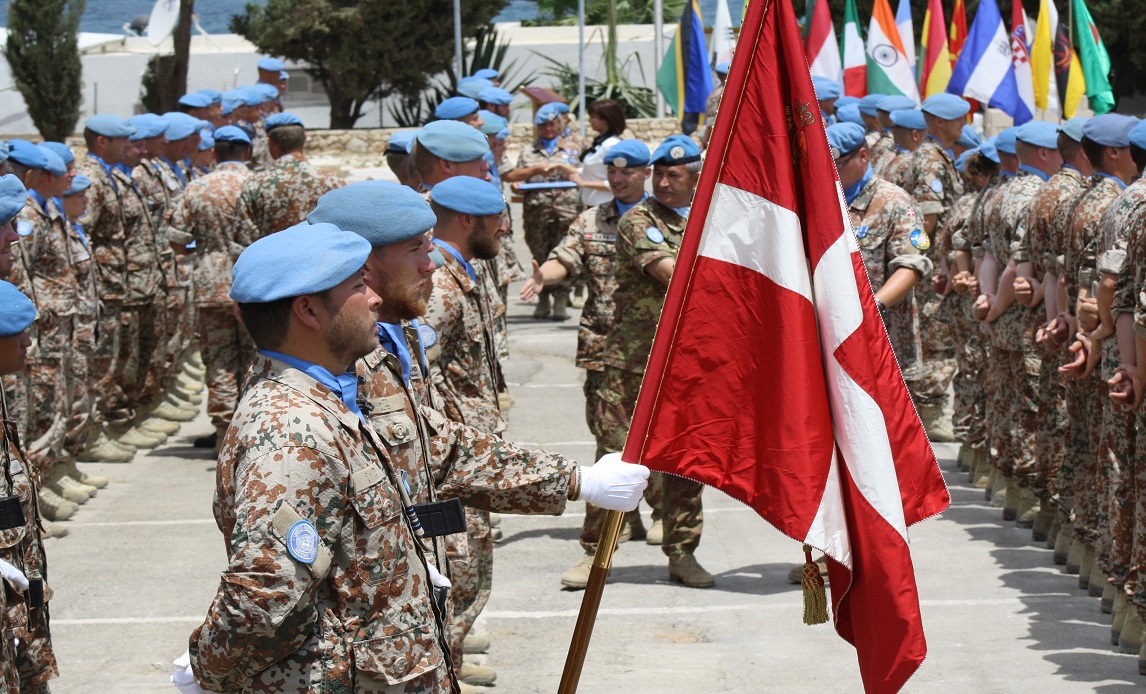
x=542, y=310
x=195, y=372
x=1096, y=584
x=1121, y=604
x=184, y=398
x=656, y=534
x=170, y=410
x=476, y=674
x=684, y=568
x=962, y=461
x=188, y=383
x=1130, y=637
x=1043, y=525
x=1062, y=543
x=1011, y=495
x=54, y=507
x=464, y=688
x=127, y=448
x=1074, y=558
x=1052, y=534
x=195, y=358
x=73, y=471
x=70, y=489
x=54, y=530
x=577, y=577
x=475, y=643
x=634, y=528
x=138, y=438
x=159, y=425
x=982, y=468
x=208, y=441
x=936, y=423
x=1028, y=508
x=1086, y=566
x=102, y=450
x=560, y=306
x=1106, y=604
x=992, y=482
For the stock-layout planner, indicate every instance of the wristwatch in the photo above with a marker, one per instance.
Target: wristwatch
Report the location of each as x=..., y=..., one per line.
x=882, y=310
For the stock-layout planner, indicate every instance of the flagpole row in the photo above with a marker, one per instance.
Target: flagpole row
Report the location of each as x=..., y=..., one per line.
x=587, y=617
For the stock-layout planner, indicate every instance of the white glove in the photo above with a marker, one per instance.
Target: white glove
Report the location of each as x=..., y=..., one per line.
x=13, y=575
x=184, y=678
x=613, y=484
x=437, y=578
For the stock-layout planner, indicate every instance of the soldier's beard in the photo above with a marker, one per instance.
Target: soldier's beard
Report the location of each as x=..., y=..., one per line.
x=351, y=338
x=403, y=302
x=486, y=241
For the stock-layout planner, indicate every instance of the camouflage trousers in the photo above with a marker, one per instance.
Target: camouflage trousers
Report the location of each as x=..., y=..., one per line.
x=1014, y=417
x=35, y=659
x=143, y=351
x=1136, y=577
x=937, y=339
x=544, y=229
x=180, y=312
x=472, y=581
x=1084, y=411
x=1117, y=454
x=112, y=405
x=82, y=419
x=969, y=420
x=40, y=396
x=227, y=353
x=682, y=515
x=1050, y=438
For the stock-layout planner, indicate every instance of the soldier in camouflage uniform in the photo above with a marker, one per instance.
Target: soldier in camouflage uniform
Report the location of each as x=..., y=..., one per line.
x=712, y=104
x=27, y=661
x=156, y=182
x=909, y=130
x=282, y=195
x=883, y=150
x=547, y=213
x=206, y=214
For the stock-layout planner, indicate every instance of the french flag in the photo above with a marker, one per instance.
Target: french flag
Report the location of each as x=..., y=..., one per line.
x=985, y=70
x=771, y=375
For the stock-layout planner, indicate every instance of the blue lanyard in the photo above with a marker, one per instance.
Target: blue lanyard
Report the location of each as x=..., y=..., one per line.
x=457, y=256
x=345, y=385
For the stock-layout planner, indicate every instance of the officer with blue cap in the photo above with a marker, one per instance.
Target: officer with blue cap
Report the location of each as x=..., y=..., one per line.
x=869, y=106
x=398, y=155
x=26, y=155
x=472, y=86
x=1073, y=128
x=194, y=101
x=1106, y=140
x=278, y=120
x=492, y=127
x=13, y=196
x=320, y=257
x=1005, y=146
x=62, y=151
x=845, y=140
x=448, y=148
x=75, y=205
x=495, y=100
x=460, y=108
x=908, y=132
x=491, y=74
x=849, y=113
x=847, y=101
x=827, y=91
x=1137, y=135
x=676, y=150
x=230, y=133
x=272, y=71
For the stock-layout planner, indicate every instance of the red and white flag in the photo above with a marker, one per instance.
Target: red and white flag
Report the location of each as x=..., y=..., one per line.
x=772, y=377
x=822, y=47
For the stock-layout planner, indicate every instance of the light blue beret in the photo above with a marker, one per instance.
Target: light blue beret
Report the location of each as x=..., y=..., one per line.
x=455, y=107
x=676, y=150
x=55, y=165
x=989, y=150
x=849, y=113
x=627, y=154
x=453, y=141
x=970, y=138
x=503, y=134
x=400, y=141
x=1038, y=133
x=1138, y=135
x=195, y=100
x=269, y=91
x=946, y=106
x=251, y=96
x=560, y=107
x=13, y=195
x=1110, y=129
x=910, y=119
x=494, y=95
x=214, y=95
x=723, y=68
x=79, y=184
x=3, y=151
x=379, y=211
x=278, y=120
x=1005, y=141
x=233, y=102
x=468, y=195
x=206, y=139
x=27, y=154
x=271, y=64
x=492, y=123
x=870, y=103
x=825, y=88
x=148, y=125
x=845, y=138
x=487, y=73
x=547, y=113
x=181, y=125
x=304, y=259
x=472, y=86
x=896, y=102
x=109, y=126
x=232, y=133
x=1073, y=128
x=846, y=100
x=62, y=151
x=16, y=310
x=961, y=162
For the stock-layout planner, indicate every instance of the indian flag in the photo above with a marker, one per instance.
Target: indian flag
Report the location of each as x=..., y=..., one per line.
x=888, y=69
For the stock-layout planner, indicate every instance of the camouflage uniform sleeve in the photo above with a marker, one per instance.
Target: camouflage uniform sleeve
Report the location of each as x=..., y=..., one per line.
x=635, y=227
x=265, y=607
x=1020, y=246
x=444, y=316
x=924, y=180
x=1124, y=260
x=570, y=252
x=906, y=222
x=247, y=232
x=179, y=229
x=97, y=193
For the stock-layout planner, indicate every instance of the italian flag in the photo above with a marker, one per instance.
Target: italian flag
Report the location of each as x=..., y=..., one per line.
x=855, y=57
x=888, y=69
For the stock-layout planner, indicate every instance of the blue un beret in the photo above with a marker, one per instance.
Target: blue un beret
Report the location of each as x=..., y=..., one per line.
x=627, y=154
x=269, y=91
x=676, y=150
x=1110, y=129
x=845, y=138
x=214, y=95
x=468, y=195
x=55, y=165
x=13, y=195
x=232, y=133
x=472, y=86
x=722, y=68
x=453, y=141
x=27, y=154
x=847, y=100
x=206, y=139
x=1005, y=141
x=494, y=95
x=148, y=125
x=271, y=64
x=252, y=96
x=849, y=113
x=1073, y=128
x=195, y=100
x=62, y=151
x=826, y=88
x=970, y=139
x=896, y=102
x=79, y=184
x=379, y=211
x=181, y=125
x=400, y=141
x=946, y=106
x=455, y=107
x=1138, y=135
x=1038, y=133
x=560, y=107
x=989, y=150
x=910, y=119
x=547, y=113
x=961, y=162
x=16, y=310
x=870, y=103
x=316, y=257
x=109, y=126
x=278, y=120
x=487, y=73
x=492, y=123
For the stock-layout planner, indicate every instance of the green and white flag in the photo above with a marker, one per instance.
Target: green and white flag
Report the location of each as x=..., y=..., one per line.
x=1094, y=58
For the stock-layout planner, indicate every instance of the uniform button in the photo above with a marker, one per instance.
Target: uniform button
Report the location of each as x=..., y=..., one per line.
x=400, y=663
x=400, y=431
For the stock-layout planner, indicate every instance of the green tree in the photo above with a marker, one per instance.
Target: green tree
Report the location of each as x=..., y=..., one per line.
x=564, y=12
x=44, y=57
x=360, y=50
x=165, y=79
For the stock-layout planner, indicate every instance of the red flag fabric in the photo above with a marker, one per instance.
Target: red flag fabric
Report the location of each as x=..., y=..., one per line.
x=771, y=376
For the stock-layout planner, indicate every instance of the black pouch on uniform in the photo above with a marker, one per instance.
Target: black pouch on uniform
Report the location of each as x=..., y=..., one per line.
x=11, y=514
x=441, y=517
x=34, y=598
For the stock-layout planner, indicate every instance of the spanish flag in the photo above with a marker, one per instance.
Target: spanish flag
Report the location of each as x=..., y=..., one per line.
x=684, y=77
x=935, y=62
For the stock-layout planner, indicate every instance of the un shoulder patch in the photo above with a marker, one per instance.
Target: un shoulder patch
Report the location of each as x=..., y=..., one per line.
x=919, y=239
x=427, y=335
x=862, y=231
x=654, y=234
x=302, y=541
x=937, y=186
x=24, y=228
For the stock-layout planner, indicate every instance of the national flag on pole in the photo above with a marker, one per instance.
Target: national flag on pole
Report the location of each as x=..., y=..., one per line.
x=1095, y=61
x=958, y=34
x=984, y=70
x=685, y=77
x=888, y=70
x=723, y=38
x=1021, y=55
x=1043, y=59
x=906, y=30
x=771, y=376
x=822, y=48
x=1068, y=73
x=935, y=61
x=854, y=53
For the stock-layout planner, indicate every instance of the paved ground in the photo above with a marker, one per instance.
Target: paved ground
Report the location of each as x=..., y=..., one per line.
x=141, y=565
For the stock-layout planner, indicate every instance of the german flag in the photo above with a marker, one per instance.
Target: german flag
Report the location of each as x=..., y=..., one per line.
x=684, y=77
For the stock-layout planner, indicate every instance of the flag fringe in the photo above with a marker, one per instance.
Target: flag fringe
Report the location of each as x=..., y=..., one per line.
x=815, y=599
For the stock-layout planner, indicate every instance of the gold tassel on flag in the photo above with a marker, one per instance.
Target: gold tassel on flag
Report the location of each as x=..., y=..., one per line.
x=815, y=599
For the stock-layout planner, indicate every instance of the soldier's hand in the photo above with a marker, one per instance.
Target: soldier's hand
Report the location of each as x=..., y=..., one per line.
x=939, y=282
x=1087, y=314
x=533, y=285
x=981, y=308
x=1122, y=390
x=613, y=484
x=960, y=282
x=13, y=575
x=1024, y=292
x=1079, y=350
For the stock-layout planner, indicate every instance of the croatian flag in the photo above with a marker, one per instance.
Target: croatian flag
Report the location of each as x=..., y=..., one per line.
x=985, y=70
x=771, y=376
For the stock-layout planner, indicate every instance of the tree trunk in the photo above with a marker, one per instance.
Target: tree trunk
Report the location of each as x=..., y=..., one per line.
x=343, y=111
x=171, y=70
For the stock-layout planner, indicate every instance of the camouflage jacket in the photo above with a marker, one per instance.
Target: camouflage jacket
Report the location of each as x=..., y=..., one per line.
x=932, y=179
x=561, y=202
x=1083, y=236
x=896, y=168
x=712, y=107
x=889, y=231
x=44, y=257
x=589, y=249
x=881, y=150
x=146, y=244
x=206, y=214
x=281, y=196
x=978, y=227
x=459, y=337
x=646, y=233
x=87, y=282
x=1049, y=217
x=951, y=233
x=260, y=149
x=156, y=188
x=1014, y=329
x=105, y=230
x=1123, y=218
x=326, y=587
